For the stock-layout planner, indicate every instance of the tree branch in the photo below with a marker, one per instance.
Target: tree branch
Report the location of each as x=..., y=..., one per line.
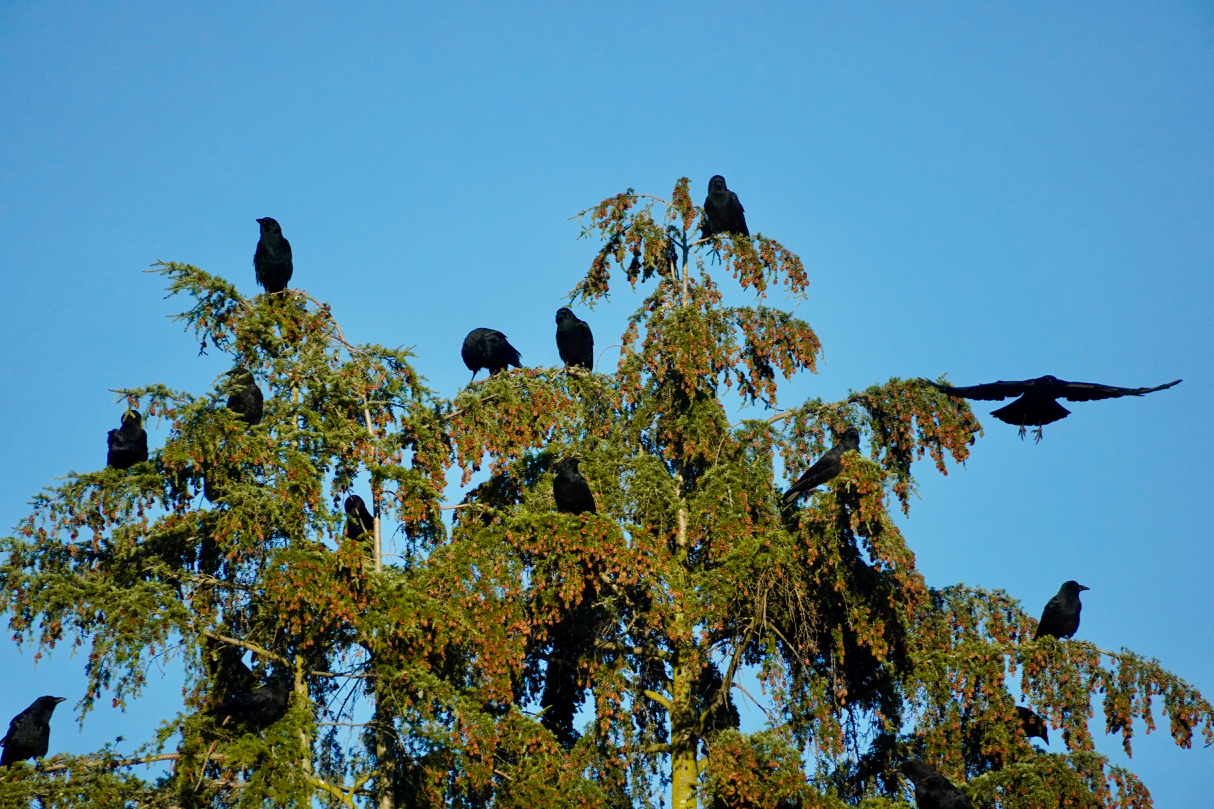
x=659, y=699
x=643, y=651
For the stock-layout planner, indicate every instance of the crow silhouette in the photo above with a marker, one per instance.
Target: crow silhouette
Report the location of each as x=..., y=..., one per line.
x=1034, y=725
x=29, y=734
x=574, y=340
x=258, y=708
x=246, y=398
x=1037, y=405
x=933, y=790
x=1060, y=619
x=272, y=259
x=488, y=348
x=129, y=443
x=359, y=522
x=723, y=213
x=572, y=492
x=826, y=468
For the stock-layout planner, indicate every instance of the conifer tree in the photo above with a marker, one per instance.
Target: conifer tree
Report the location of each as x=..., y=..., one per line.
x=480, y=648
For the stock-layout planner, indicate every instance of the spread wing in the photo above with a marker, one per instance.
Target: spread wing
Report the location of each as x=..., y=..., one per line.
x=1091, y=391
x=992, y=391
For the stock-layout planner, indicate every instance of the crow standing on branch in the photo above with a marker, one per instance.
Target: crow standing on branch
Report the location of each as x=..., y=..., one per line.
x=129, y=443
x=256, y=709
x=246, y=398
x=827, y=467
x=272, y=259
x=1060, y=619
x=1034, y=725
x=359, y=522
x=933, y=790
x=723, y=213
x=572, y=492
x=488, y=348
x=574, y=340
x=29, y=734
x=1037, y=405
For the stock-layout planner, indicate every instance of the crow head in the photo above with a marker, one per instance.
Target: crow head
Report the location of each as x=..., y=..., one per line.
x=565, y=313
x=133, y=420
x=269, y=227
x=716, y=186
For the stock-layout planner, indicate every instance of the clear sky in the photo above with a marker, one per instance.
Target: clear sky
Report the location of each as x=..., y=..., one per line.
x=988, y=190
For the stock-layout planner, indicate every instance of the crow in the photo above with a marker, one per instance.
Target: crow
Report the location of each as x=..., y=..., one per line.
x=1060, y=619
x=723, y=213
x=933, y=790
x=1037, y=405
x=258, y=708
x=827, y=467
x=29, y=734
x=572, y=493
x=246, y=399
x=272, y=259
x=359, y=523
x=488, y=348
x=1033, y=724
x=129, y=443
x=574, y=340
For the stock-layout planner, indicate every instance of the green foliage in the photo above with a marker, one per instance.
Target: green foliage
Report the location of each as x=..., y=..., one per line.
x=477, y=642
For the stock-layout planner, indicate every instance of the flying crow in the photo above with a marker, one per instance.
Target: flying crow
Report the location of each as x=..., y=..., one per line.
x=129, y=443
x=574, y=340
x=272, y=259
x=1037, y=405
x=723, y=213
x=1060, y=619
x=29, y=734
x=488, y=348
x=827, y=467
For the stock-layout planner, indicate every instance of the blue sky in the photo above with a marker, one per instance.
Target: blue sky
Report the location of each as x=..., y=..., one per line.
x=978, y=189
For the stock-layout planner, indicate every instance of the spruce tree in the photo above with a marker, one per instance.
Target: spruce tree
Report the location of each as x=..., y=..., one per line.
x=476, y=651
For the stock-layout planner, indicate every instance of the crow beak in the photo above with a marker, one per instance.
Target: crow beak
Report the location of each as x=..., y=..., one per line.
x=1081, y=587
x=60, y=699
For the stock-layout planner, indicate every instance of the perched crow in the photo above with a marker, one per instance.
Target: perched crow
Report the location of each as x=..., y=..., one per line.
x=246, y=399
x=1036, y=406
x=29, y=734
x=723, y=213
x=129, y=443
x=572, y=493
x=256, y=709
x=272, y=259
x=1033, y=724
x=574, y=340
x=488, y=348
x=933, y=790
x=827, y=467
x=359, y=523
x=1060, y=619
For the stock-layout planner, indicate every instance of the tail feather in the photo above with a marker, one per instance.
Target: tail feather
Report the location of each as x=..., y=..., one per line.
x=1032, y=413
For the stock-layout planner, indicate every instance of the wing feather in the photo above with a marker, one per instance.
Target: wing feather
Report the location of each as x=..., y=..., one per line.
x=992, y=391
x=1092, y=391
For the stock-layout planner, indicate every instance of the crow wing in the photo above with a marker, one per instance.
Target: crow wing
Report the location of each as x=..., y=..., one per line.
x=1091, y=391
x=992, y=391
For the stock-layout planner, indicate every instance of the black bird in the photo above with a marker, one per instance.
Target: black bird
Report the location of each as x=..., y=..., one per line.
x=129, y=443
x=827, y=467
x=1060, y=619
x=29, y=734
x=1037, y=405
x=246, y=399
x=933, y=790
x=723, y=213
x=572, y=492
x=574, y=340
x=359, y=523
x=256, y=709
x=272, y=259
x=1034, y=725
x=488, y=348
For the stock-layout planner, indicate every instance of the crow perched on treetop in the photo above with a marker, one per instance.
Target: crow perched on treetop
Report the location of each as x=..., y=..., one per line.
x=359, y=522
x=1060, y=619
x=272, y=259
x=29, y=734
x=1033, y=724
x=259, y=708
x=488, y=348
x=933, y=790
x=572, y=492
x=827, y=467
x=574, y=340
x=1037, y=405
x=129, y=443
x=723, y=213
x=246, y=399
